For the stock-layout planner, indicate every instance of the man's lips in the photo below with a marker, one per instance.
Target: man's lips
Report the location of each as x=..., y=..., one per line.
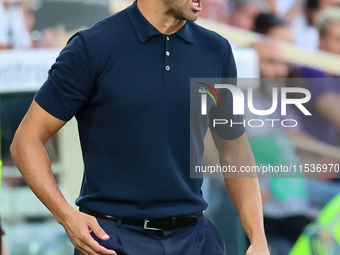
x=197, y=5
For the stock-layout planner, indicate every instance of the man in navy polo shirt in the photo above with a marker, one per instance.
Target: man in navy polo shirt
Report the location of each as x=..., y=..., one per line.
x=126, y=80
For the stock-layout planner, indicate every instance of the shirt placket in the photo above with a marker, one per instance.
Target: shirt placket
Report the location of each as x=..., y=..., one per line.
x=167, y=58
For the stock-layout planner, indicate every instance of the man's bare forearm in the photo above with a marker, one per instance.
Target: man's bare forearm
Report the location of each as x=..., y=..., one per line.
x=33, y=162
x=245, y=194
x=246, y=197
x=243, y=189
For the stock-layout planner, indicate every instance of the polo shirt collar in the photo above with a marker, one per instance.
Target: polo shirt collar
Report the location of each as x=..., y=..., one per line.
x=145, y=30
x=185, y=33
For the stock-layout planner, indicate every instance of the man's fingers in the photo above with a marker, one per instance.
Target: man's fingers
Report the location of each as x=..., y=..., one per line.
x=79, y=226
x=98, y=231
x=90, y=245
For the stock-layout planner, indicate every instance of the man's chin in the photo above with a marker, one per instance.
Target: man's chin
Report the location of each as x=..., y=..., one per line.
x=192, y=18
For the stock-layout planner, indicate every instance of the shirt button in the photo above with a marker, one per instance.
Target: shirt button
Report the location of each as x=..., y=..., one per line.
x=167, y=38
x=167, y=68
x=167, y=53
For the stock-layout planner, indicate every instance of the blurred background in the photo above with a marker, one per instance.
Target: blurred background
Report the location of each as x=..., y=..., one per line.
x=274, y=40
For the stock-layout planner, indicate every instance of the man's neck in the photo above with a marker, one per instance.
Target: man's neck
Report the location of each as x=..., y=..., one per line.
x=158, y=16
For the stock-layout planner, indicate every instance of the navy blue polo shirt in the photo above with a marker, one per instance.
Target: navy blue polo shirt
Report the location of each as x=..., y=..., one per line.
x=128, y=87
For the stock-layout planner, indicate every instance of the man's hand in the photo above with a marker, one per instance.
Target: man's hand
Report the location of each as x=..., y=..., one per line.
x=78, y=227
x=258, y=249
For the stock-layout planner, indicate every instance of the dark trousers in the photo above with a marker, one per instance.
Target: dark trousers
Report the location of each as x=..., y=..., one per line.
x=201, y=239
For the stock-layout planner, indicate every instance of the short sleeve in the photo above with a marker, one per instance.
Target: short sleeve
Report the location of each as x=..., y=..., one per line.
x=235, y=126
x=229, y=65
x=70, y=80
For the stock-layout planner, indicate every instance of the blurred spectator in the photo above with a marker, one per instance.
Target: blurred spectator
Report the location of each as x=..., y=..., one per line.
x=306, y=34
x=243, y=14
x=47, y=38
x=314, y=7
x=274, y=26
x=296, y=13
x=277, y=28
x=289, y=9
x=300, y=14
x=324, y=105
x=271, y=62
x=328, y=24
x=14, y=32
